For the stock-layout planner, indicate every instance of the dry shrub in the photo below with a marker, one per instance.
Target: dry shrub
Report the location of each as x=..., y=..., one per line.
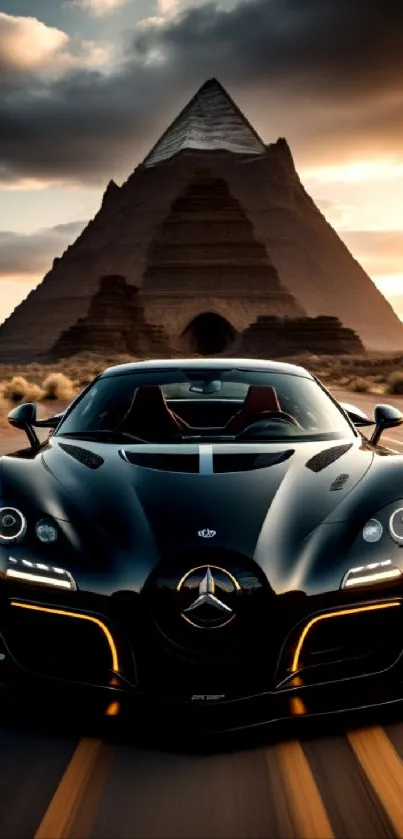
x=19, y=390
x=83, y=367
x=360, y=385
x=58, y=386
x=4, y=409
x=395, y=383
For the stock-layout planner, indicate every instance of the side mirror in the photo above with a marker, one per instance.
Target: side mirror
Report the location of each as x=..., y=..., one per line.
x=386, y=416
x=24, y=417
x=50, y=422
x=357, y=417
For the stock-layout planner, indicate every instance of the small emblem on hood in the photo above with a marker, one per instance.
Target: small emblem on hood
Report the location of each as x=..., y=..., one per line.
x=206, y=533
x=212, y=607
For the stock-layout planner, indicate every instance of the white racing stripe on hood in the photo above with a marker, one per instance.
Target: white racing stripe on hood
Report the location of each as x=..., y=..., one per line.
x=206, y=459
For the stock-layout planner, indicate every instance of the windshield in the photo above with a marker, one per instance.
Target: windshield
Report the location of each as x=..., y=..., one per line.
x=179, y=405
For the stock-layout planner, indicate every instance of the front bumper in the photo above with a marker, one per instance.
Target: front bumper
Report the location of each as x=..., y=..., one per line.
x=35, y=699
x=83, y=657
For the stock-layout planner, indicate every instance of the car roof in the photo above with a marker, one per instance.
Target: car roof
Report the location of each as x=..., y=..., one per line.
x=208, y=364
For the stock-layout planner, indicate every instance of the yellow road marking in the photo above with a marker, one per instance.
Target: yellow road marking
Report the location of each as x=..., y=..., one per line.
x=300, y=805
x=87, y=809
x=64, y=805
x=384, y=768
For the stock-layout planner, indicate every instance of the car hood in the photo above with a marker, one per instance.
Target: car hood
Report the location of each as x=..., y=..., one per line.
x=126, y=493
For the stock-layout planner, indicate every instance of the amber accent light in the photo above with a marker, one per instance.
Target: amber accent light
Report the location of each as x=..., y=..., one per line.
x=297, y=706
x=97, y=621
x=340, y=613
x=113, y=709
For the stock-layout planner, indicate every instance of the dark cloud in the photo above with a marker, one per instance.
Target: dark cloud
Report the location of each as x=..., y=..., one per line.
x=327, y=73
x=82, y=127
x=33, y=253
x=337, y=45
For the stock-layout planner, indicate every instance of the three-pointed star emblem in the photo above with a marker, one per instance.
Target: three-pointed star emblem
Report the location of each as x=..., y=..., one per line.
x=207, y=596
x=217, y=592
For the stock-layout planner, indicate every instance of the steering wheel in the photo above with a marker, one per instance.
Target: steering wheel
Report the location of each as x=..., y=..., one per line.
x=281, y=416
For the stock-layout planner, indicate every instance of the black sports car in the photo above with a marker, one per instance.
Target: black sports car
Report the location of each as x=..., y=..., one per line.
x=213, y=536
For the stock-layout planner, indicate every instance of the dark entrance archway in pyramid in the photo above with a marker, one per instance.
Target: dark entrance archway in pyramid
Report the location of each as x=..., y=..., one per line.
x=208, y=334
x=213, y=220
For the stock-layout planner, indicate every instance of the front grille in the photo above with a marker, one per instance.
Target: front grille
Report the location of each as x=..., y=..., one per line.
x=181, y=659
x=343, y=644
x=58, y=646
x=352, y=636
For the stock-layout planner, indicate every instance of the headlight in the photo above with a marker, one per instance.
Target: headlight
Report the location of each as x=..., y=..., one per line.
x=46, y=531
x=372, y=531
x=374, y=572
x=396, y=525
x=13, y=525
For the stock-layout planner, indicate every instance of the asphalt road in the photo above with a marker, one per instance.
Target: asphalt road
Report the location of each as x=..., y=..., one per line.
x=342, y=784
x=59, y=779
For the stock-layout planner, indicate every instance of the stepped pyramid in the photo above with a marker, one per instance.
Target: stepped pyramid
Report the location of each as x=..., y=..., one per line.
x=210, y=240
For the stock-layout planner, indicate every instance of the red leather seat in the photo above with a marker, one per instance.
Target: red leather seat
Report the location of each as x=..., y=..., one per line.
x=149, y=415
x=258, y=399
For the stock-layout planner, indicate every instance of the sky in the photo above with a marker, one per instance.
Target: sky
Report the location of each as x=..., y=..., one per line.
x=87, y=87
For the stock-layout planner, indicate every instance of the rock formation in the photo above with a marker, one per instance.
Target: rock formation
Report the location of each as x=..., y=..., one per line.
x=215, y=230
x=115, y=322
x=271, y=337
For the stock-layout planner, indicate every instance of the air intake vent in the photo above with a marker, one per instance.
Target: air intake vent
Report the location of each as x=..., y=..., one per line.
x=339, y=482
x=87, y=458
x=326, y=457
x=166, y=462
x=212, y=464
x=246, y=462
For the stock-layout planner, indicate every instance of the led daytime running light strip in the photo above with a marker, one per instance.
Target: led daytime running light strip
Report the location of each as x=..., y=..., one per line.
x=374, y=572
x=38, y=572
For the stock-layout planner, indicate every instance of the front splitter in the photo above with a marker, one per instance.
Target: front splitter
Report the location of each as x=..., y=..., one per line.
x=32, y=698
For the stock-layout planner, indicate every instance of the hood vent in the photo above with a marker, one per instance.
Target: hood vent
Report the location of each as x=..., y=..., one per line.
x=206, y=462
x=246, y=462
x=84, y=456
x=339, y=482
x=326, y=457
x=164, y=462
